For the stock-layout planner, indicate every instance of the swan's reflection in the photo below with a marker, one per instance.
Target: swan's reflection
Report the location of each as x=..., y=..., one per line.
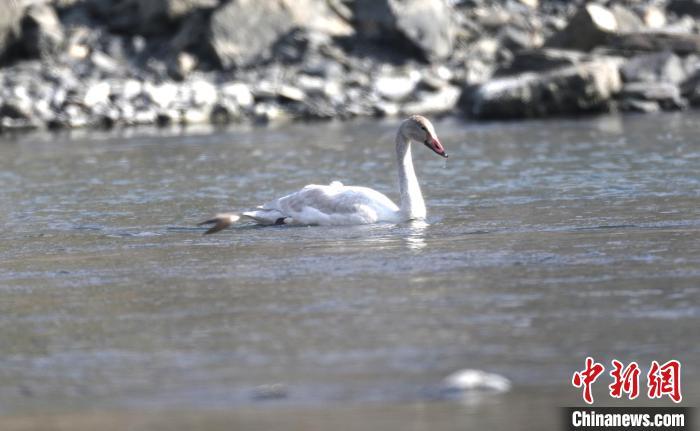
x=414, y=238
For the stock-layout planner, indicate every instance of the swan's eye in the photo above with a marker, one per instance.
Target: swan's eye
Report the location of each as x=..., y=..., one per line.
x=423, y=128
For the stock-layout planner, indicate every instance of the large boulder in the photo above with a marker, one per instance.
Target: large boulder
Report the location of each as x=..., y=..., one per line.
x=42, y=32
x=10, y=24
x=590, y=26
x=654, y=67
x=593, y=25
x=586, y=87
x=243, y=32
x=426, y=25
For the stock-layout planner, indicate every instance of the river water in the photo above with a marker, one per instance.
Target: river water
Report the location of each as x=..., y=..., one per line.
x=546, y=242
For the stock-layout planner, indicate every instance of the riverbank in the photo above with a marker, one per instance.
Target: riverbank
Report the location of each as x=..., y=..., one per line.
x=117, y=63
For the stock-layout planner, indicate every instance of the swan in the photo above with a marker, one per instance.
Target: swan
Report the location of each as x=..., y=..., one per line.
x=337, y=204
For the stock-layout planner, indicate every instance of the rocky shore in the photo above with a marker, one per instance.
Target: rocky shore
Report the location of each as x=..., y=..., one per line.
x=115, y=63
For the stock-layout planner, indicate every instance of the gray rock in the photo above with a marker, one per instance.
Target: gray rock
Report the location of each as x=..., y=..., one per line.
x=269, y=112
x=516, y=39
x=97, y=94
x=433, y=102
x=667, y=95
x=636, y=105
x=181, y=65
x=586, y=87
x=627, y=20
x=243, y=32
x=144, y=116
x=396, y=87
x=10, y=23
x=194, y=115
x=654, y=17
x=540, y=60
x=239, y=93
x=657, y=67
x=204, y=93
x=426, y=24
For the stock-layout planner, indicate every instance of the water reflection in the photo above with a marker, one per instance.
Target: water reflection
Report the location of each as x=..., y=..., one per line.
x=415, y=238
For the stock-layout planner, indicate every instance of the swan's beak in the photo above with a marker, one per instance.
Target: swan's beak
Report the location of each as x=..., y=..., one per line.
x=434, y=144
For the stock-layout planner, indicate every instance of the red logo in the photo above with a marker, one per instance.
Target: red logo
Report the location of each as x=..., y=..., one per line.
x=626, y=381
x=665, y=380
x=587, y=377
x=661, y=379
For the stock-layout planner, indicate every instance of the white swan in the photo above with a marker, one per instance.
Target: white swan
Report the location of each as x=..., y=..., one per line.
x=336, y=204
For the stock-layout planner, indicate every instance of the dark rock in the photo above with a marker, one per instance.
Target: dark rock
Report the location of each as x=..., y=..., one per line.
x=147, y=17
x=682, y=44
x=589, y=27
x=10, y=23
x=425, y=24
x=539, y=60
x=190, y=34
x=299, y=44
x=223, y=113
x=587, y=87
x=684, y=7
x=667, y=95
x=243, y=32
x=42, y=34
x=657, y=67
x=171, y=10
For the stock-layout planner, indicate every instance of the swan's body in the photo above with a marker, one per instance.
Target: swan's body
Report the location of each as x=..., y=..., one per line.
x=336, y=204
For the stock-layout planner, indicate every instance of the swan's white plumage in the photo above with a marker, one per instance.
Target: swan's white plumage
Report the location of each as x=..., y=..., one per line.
x=334, y=204
x=337, y=204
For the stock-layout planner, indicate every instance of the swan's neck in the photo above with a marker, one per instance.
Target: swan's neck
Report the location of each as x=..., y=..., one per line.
x=412, y=204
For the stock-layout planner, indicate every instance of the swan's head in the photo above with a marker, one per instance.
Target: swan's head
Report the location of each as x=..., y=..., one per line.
x=418, y=129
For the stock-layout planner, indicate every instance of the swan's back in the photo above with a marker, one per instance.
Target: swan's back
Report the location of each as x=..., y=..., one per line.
x=335, y=204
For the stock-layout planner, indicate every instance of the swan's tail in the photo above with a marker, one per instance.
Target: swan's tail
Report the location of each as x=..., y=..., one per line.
x=220, y=222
